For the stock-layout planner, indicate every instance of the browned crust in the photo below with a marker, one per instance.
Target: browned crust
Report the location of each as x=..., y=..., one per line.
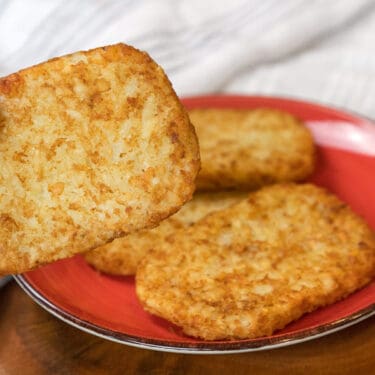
x=247, y=149
x=122, y=256
x=93, y=145
x=248, y=270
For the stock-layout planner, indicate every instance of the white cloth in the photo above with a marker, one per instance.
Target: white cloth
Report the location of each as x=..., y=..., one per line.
x=313, y=49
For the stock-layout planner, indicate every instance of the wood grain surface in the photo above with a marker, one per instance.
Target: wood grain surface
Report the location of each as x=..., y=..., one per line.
x=35, y=342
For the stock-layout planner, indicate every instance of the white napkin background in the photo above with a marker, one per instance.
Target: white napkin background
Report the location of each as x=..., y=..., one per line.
x=319, y=50
x=312, y=49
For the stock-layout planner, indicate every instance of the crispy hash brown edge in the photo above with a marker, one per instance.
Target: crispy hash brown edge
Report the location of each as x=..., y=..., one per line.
x=223, y=318
x=182, y=135
x=239, y=166
x=122, y=256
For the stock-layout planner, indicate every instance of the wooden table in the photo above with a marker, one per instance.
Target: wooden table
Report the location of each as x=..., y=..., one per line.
x=35, y=342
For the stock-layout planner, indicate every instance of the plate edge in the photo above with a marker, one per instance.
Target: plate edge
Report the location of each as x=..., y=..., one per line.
x=156, y=345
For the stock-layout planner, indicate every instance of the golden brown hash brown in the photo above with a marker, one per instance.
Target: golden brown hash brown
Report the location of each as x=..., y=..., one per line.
x=248, y=149
x=250, y=269
x=122, y=256
x=93, y=145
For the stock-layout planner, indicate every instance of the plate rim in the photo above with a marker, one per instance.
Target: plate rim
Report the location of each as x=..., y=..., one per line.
x=285, y=98
x=199, y=348
x=203, y=347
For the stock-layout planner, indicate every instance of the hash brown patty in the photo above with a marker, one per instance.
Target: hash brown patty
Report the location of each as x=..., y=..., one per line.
x=247, y=149
x=93, y=145
x=252, y=268
x=122, y=256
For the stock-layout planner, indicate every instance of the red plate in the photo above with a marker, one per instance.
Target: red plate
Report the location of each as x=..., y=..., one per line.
x=108, y=307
